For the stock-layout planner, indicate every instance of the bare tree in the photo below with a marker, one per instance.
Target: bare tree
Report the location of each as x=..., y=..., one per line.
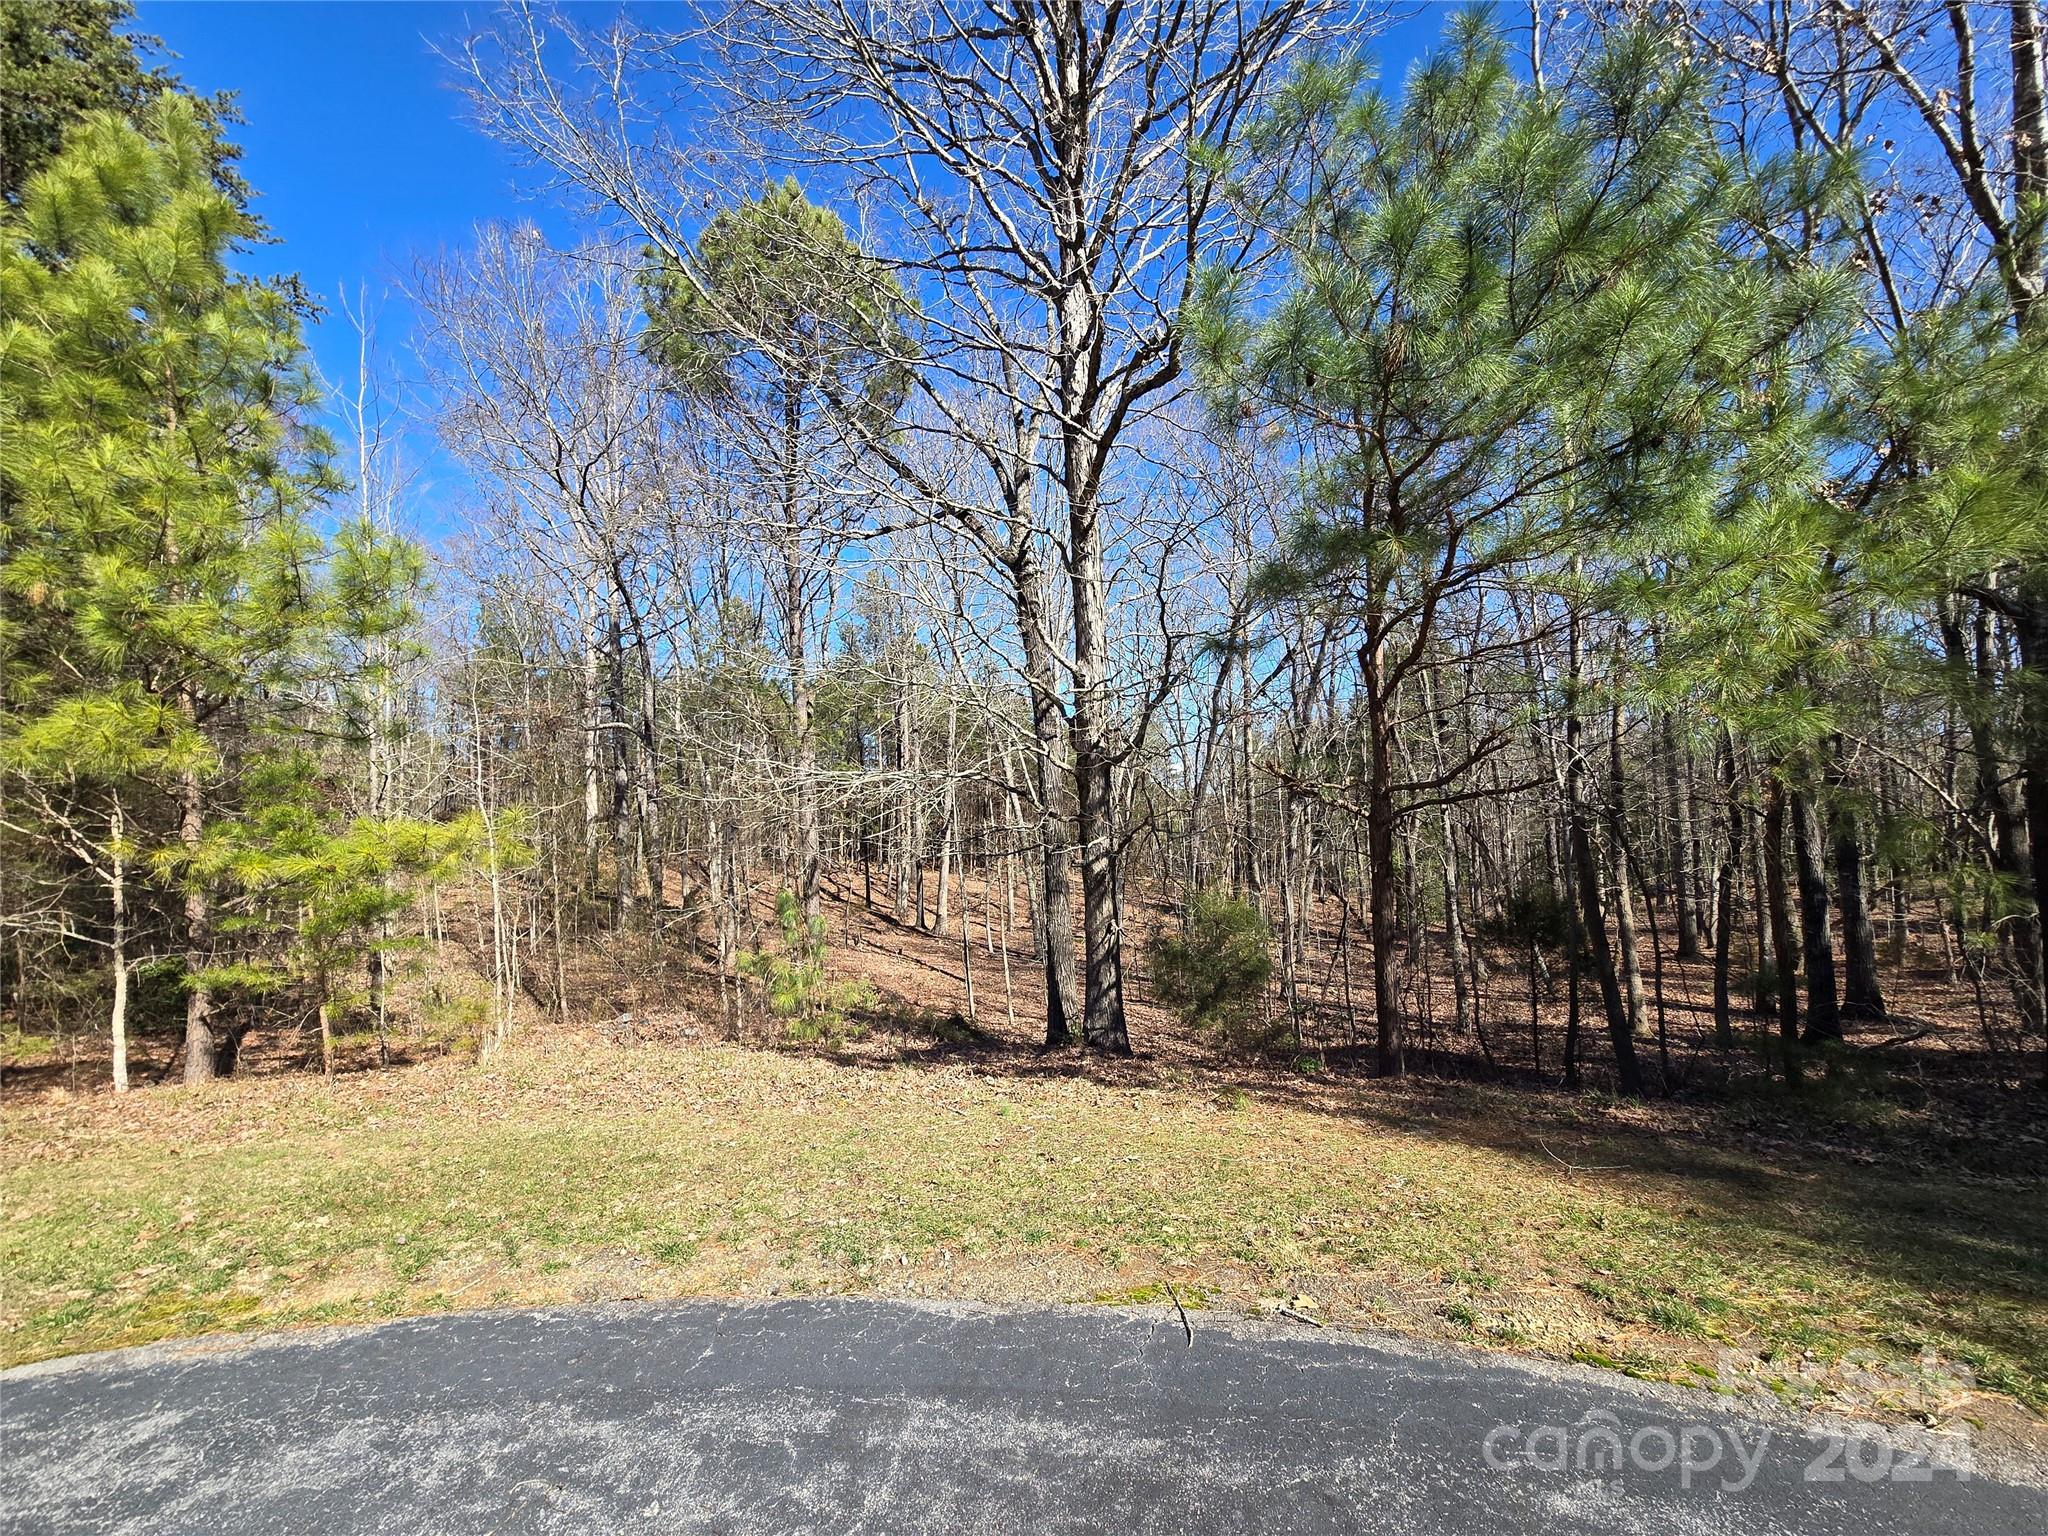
x=1045, y=165
x=545, y=391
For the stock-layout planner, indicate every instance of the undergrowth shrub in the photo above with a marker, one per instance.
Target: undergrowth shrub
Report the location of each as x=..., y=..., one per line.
x=794, y=986
x=1215, y=970
x=1533, y=913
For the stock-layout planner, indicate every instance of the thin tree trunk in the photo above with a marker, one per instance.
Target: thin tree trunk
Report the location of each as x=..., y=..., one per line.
x=950, y=851
x=1823, y=1010
x=1676, y=783
x=1764, y=994
x=1463, y=992
x=1586, y=871
x=796, y=646
x=2031, y=628
x=200, y=1044
x=1724, y=916
x=1784, y=942
x=1971, y=666
x=593, y=743
x=647, y=780
x=907, y=851
x=966, y=945
x=1383, y=891
x=1862, y=994
x=117, y=890
x=1624, y=903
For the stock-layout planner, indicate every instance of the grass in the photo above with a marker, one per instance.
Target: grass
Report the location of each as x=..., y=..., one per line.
x=1544, y=1224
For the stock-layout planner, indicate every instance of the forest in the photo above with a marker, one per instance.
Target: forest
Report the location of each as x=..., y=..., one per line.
x=1062, y=524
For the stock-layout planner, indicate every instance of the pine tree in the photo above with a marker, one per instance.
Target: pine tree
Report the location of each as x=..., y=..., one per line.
x=798, y=337
x=63, y=59
x=1497, y=307
x=1955, y=422
x=173, y=614
x=314, y=889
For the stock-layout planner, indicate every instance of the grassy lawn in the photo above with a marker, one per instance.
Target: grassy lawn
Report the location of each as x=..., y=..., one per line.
x=1539, y=1223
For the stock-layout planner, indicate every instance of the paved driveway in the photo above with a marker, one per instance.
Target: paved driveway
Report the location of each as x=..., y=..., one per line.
x=849, y=1415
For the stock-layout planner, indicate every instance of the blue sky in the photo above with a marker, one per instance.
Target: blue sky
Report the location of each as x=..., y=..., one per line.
x=356, y=144
x=355, y=141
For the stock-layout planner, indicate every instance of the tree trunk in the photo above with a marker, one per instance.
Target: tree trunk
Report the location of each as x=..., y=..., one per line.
x=908, y=851
x=1467, y=1017
x=796, y=646
x=1724, y=914
x=1676, y=790
x=967, y=940
x=1764, y=988
x=1290, y=915
x=950, y=848
x=2031, y=628
x=1586, y=870
x=1077, y=327
x=379, y=986
x=807, y=834
x=1464, y=958
x=1630, y=955
x=625, y=863
x=1574, y=940
x=200, y=1045
x=1862, y=995
x=1970, y=666
x=647, y=781
x=1054, y=937
x=1102, y=1000
x=593, y=743
x=2030, y=613
x=117, y=891
x=1383, y=889
x=1627, y=943
x=1214, y=743
x=1784, y=943
x=1823, y=1011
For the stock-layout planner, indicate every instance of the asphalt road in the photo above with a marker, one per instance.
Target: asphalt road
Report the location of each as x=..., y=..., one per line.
x=872, y=1416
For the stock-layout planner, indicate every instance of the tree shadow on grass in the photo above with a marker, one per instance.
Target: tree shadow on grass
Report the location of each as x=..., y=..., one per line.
x=1778, y=1187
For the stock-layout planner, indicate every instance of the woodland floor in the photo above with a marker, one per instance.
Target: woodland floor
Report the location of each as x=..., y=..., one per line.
x=1878, y=1247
